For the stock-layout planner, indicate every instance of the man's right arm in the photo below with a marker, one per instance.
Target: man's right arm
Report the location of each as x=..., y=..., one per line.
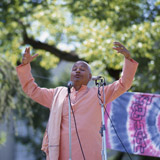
x=41, y=95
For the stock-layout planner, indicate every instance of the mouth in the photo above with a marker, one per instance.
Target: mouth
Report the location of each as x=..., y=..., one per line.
x=77, y=76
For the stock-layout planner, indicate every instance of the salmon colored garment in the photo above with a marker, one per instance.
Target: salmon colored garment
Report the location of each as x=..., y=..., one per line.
x=86, y=108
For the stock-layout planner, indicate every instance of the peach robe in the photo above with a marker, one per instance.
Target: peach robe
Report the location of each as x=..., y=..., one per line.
x=87, y=112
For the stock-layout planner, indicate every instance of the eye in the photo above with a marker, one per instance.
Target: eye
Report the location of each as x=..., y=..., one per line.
x=74, y=69
x=82, y=69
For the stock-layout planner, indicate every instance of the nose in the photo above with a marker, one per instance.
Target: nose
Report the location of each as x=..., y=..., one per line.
x=78, y=70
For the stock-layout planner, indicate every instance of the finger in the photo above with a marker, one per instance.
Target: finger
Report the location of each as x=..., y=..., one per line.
x=25, y=52
x=118, y=44
x=34, y=56
x=115, y=47
x=28, y=50
x=118, y=49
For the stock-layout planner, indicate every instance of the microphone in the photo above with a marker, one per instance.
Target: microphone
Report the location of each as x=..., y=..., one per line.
x=94, y=78
x=70, y=84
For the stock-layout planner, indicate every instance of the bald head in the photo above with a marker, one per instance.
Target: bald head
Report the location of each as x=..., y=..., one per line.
x=85, y=64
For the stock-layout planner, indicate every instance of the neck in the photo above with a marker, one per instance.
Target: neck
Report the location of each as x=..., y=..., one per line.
x=77, y=87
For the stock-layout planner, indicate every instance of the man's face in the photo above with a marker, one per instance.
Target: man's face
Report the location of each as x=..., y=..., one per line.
x=80, y=73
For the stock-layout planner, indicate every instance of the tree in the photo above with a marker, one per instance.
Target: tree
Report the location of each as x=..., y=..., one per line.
x=13, y=103
x=90, y=27
x=12, y=98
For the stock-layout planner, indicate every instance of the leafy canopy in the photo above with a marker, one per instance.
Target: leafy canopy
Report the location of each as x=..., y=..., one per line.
x=87, y=28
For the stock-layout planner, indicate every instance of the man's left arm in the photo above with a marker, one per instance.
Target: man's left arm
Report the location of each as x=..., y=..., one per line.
x=117, y=88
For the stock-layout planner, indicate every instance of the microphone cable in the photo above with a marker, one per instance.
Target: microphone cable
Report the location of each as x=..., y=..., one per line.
x=77, y=130
x=99, y=94
x=42, y=77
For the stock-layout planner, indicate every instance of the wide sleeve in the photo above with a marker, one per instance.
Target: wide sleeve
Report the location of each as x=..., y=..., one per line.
x=43, y=96
x=120, y=86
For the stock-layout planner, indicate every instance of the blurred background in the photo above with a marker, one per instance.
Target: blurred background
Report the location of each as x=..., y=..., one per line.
x=62, y=32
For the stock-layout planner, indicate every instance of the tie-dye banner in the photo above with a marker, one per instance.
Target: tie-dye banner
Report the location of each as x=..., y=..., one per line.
x=136, y=118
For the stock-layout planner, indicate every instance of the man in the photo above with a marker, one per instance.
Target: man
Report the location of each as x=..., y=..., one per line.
x=85, y=104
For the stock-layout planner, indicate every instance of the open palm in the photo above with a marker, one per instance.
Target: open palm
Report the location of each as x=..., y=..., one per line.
x=27, y=57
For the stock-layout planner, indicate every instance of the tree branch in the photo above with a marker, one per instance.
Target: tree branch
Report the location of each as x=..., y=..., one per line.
x=114, y=73
x=63, y=55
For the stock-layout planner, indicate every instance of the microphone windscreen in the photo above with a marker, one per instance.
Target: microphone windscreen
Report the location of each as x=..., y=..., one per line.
x=70, y=84
x=94, y=78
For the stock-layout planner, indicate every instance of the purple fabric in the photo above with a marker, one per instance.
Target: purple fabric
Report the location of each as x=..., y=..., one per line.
x=136, y=118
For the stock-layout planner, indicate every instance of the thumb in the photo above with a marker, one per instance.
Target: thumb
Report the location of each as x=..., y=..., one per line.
x=34, y=56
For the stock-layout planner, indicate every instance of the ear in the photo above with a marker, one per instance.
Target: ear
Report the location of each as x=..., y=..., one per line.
x=90, y=76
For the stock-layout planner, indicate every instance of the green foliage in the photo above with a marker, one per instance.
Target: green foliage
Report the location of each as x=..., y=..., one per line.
x=15, y=16
x=90, y=27
x=137, y=29
x=12, y=99
x=114, y=12
x=2, y=138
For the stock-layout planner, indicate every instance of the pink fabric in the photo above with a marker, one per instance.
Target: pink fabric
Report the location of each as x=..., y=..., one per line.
x=137, y=122
x=53, y=128
x=86, y=109
x=41, y=95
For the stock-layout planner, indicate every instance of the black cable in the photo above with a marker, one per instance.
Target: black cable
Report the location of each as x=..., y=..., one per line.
x=77, y=130
x=113, y=124
x=104, y=113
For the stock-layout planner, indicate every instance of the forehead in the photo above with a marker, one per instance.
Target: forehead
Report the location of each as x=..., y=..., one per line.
x=81, y=64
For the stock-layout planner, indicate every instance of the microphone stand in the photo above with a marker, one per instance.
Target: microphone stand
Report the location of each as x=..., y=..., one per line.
x=69, y=115
x=103, y=128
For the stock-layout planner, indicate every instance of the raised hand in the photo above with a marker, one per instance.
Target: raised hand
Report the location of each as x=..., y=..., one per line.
x=27, y=58
x=121, y=49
